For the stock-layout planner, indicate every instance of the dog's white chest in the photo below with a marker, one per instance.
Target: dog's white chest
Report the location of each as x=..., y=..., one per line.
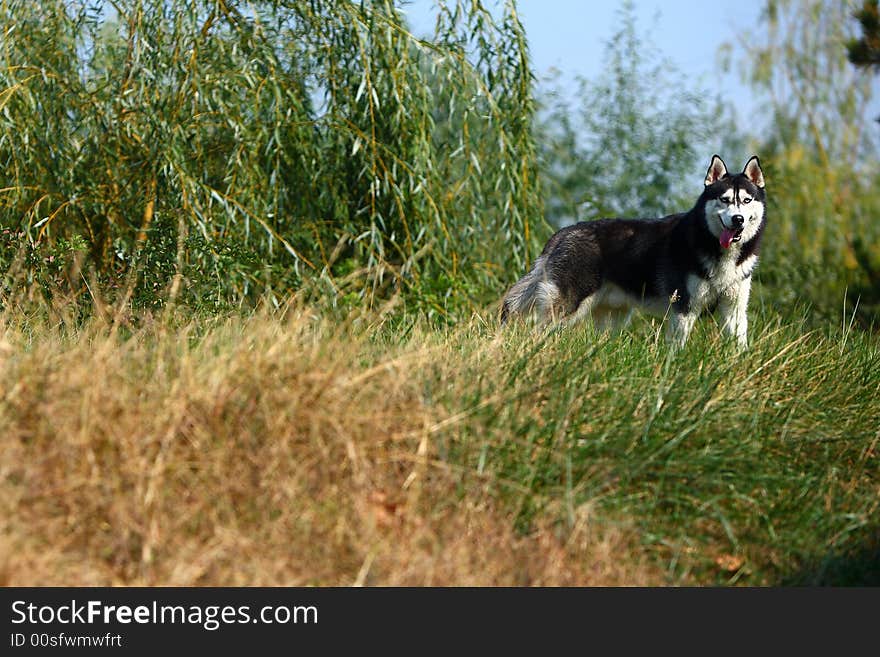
x=725, y=273
x=724, y=277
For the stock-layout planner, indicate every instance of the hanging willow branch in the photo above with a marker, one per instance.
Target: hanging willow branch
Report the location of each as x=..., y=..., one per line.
x=290, y=141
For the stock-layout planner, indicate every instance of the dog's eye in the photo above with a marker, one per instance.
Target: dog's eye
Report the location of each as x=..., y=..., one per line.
x=747, y=200
x=726, y=201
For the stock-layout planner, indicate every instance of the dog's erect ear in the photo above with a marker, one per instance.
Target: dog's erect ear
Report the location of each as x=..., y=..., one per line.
x=753, y=171
x=716, y=171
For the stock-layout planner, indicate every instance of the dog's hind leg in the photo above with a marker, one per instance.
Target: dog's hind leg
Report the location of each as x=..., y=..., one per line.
x=583, y=311
x=550, y=305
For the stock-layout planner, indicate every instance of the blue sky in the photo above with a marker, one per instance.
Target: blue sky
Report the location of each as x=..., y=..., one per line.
x=570, y=35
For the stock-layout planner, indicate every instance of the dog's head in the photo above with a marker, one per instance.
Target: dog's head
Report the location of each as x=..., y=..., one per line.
x=735, y=203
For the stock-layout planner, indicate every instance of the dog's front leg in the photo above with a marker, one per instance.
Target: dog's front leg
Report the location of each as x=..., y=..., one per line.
x=732, y=306
x=679, y=328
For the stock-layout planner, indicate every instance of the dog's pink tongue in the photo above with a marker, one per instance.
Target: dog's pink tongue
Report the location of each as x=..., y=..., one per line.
x=726, y=238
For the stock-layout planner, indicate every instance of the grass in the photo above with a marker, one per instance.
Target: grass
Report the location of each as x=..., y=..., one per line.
x=288, y=449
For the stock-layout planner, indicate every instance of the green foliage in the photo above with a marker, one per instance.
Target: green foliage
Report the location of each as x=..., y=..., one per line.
x=820, y=152
x=814, y=96
x=627, y=147
x=865, y=51
x=39, y=268
x=251, y=150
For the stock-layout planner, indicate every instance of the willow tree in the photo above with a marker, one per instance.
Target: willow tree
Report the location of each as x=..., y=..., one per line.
x=224, y=150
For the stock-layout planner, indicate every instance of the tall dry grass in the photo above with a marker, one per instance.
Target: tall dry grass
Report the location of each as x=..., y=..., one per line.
x=274, y=450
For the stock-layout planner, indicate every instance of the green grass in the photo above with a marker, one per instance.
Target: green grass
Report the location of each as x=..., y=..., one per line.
x=755, y=468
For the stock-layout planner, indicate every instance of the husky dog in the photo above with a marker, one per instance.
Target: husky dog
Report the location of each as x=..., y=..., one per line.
x=677, y=266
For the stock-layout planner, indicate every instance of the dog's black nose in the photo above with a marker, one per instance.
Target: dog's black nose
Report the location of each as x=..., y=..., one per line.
x=738, y=220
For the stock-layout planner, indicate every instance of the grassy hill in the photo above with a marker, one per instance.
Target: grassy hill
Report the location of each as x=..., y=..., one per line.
x=174, y=173
x=285, y=448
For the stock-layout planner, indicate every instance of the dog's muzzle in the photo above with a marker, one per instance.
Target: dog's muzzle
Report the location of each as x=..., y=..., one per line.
x=738, y=223
x=732, y=234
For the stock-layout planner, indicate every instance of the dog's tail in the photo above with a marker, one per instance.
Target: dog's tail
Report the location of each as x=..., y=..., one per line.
x=526, y=292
